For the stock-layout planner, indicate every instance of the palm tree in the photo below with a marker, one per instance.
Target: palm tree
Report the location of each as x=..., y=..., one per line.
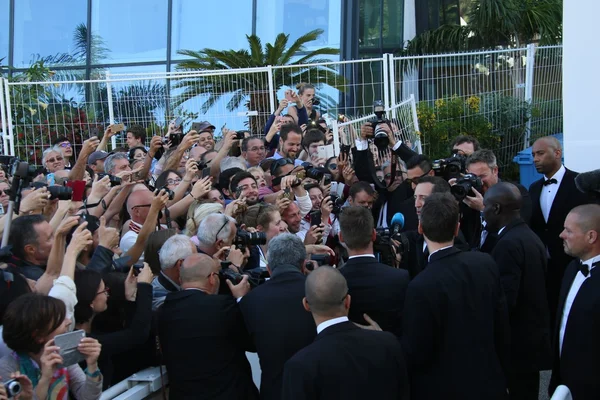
x=492, y=23
x=255, y=91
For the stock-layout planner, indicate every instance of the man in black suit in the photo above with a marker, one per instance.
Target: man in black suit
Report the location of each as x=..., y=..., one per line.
x=553, y=197
x=377, y=289
x=455, y=328
x=277, y=322
x=203, y=336
x=521, y=258
x=483, y=164
x=576, y=348
x=345, y=361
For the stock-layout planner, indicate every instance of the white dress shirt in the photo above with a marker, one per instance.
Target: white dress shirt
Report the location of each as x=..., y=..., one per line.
x=324, y=325
x=575, y=286
x=549, y=192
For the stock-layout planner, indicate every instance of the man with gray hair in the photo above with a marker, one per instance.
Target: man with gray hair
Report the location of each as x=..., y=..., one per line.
x=117, y=162
x=276, y=321
x=171, y=255
x=216, y=233
x=345, y=361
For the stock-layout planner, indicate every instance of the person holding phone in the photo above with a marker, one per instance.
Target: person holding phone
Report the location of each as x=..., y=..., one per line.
x=305, y=97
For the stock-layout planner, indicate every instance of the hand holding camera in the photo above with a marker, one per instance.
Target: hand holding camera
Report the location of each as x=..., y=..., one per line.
x=326, y=209
x=283, y=104
x=314, y=234
x=160, y=200
x=89, y=146
x=201, y=188
x=108, y=237
x=67, y=225
x=241, y=289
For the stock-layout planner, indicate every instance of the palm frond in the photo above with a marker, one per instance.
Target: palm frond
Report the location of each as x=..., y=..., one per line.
x=298, y=45
x=256, y=50
x=275, y=51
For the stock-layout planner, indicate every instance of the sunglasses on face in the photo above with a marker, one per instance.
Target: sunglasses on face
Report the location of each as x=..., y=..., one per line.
x=53, y=160
x=65, y=144
x=416, y=179
x=280, y=163
x=333, y=166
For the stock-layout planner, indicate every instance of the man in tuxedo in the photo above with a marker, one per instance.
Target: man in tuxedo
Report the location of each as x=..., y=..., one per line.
x=345, y=361
x=204, y=352
x=521, y=258
x=275, y=318
x=553, y=197
x=575, y=348
x=455, y=328
x=483, y=164
x=377, y=289
x=418, y=254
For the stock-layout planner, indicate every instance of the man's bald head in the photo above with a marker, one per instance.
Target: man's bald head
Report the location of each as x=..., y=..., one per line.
x=61, y=176
x=549, y=141
x=139, y=198
x=197, y=268
x=506, y=195
x=588, y=217
x=326, y=289
x=547, y=155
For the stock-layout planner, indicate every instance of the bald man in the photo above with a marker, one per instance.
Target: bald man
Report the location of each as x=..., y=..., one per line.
x=552, y=198
x=138, y=206
x=576, y=349
x=345, y=361
x=522, y=261
x=203, y=336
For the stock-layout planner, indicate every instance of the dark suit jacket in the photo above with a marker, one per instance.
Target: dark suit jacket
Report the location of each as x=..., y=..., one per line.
x=377, y=290
x=399, y=201
x=347, y=362
x=567, y=198
x=521, y=258
x=578, y=366
x=278, y=325
x=455, y=329
x=416, y=260
x=204, y=339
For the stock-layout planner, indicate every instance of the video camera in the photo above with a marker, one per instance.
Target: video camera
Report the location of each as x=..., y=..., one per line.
x=451, y=167
x=464, y=184
x=383, y=245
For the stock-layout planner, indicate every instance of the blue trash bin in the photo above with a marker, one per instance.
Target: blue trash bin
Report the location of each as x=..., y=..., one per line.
x=527, y=170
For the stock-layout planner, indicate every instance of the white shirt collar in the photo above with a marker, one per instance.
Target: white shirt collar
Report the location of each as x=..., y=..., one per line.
x=500, y=231
x=559, y=175
x=591, y=261
x=361, y=255
x=443, y=248
x=324, y=325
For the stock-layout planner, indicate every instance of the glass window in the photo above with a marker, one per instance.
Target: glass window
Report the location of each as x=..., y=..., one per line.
x=298, y=17
x=369, y=26
x=4, y=14
x=194, y=29
x=393, y=23
x=129, y=31
x=44, y=30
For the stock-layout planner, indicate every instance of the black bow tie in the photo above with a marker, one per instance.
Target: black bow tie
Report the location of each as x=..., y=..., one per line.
x=585, y=270
x=550, y=182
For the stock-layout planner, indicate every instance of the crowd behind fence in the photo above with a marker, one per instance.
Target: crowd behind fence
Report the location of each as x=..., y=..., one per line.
x=515, y=94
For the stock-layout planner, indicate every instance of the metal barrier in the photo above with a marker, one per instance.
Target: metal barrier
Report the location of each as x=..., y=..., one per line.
x=138, y=386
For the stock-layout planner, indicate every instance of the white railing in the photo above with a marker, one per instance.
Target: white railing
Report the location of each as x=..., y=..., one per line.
x=504, y=83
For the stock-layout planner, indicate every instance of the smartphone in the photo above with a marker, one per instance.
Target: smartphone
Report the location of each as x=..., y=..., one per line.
x=325, y=152
x=327, y=179
x=206, y=172
x=288, y=96
x=315, y=218
x=287, y=193
x=137, y=268
x=68, y=343
x=197, y=126
x=238, y=192
x=345, y=148
x=117, y=128
x=177, y=122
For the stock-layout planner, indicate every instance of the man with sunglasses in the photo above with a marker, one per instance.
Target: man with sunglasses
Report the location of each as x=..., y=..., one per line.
x=344, y=361
x=66, y=148
x=138, y=206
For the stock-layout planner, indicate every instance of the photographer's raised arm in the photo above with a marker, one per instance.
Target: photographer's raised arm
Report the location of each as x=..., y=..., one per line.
x=155, y=145
x=215, y=166
x=399, y=147
x=187, y=142
x=108, y=133
x=78, y=171
x=199, y=190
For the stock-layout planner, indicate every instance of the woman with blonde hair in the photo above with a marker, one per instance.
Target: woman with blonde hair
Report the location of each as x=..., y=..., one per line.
x=196, y=214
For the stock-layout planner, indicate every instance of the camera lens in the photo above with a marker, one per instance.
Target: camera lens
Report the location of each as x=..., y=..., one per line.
x=60, y=192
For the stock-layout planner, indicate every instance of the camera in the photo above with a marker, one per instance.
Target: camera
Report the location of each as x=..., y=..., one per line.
x=383, y=245
x=255, y=276
x=15, y=167
x=451, y=167
x=60, y=192
x=314, y=173
x=240, y=135
x=13, y=388
x=463, y=186
x=312, y=124
x=244, y=239
x=114, y=180
x=174, y=138
x=316, y=101
x=137, y=268
x=168, y=191
x=338, y=203
x=380, y=137
x=201, y=165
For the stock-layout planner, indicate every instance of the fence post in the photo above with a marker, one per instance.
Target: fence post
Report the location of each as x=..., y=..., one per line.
x=529, y=72
x=392, y=73
x=9, y=122
x=111, y=112
x=386, y=82
x=3, y=119
x=271, y=88
x=413, y=106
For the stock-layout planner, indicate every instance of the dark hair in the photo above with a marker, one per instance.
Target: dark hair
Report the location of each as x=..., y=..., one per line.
x=258, y=214
x=356, y=226
x=286, y=129
x=161, y=181
x=153, y=244
x=237, y=178
x=203, y=155
x=482, y=156
x=22, y=233
x=90, y=171
x=87, y=282
x=420, y=161
x=225, y=177
x=248, y=139
x=439, y=184
x=439, y=217
x=466, y=139
x=12, y=285
x=303, y=86
x=310, y=186
x=138, y=131
x=133, y=150
x=361, y=186
x=60, y=139
x=312, y=136
x=28, y=319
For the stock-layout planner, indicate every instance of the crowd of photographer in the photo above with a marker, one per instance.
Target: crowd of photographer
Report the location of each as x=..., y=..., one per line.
x=188, y=252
